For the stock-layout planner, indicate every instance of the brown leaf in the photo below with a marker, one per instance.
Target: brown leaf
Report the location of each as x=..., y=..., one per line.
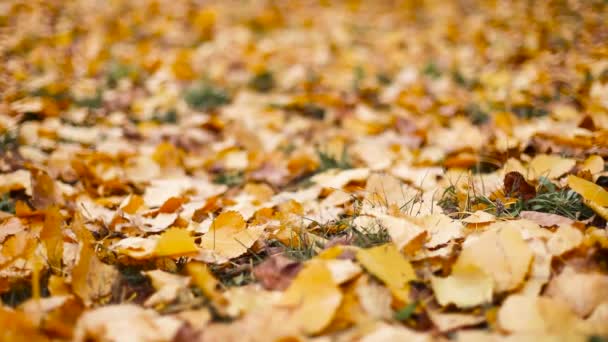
x=43, y=189
x=516, y=186
x=276, y=272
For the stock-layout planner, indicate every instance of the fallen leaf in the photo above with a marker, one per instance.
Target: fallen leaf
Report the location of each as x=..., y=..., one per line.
x=389, y=265
x=540, y=315
x=501, y=253
x=447, y=322
x=545, y=219
x=276, y=272
x=342, y=270
x=479, y=217
x=167, y=286
x=516, y=186
x=590, y=191
x=204, y=280
x=52, y=237
x=595, y=164
x=466, y=287
x=91, y=278
x=550, y=166
x=314, y=296
x=385, y=332
x=583, y=292
x=229, y=236
x=175, y=242
x=401, y=231
x=564, y=239
x=125, y=322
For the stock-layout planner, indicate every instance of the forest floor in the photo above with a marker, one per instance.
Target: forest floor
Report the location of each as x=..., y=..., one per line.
x=182, y=170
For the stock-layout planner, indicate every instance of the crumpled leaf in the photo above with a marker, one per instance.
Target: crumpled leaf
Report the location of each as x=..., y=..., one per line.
x=390, y=266
x=125, y=322
x=229, y=236
x=314, y=296
x=174, y=242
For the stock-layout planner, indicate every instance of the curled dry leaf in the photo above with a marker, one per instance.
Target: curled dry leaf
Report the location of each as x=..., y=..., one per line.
x=516, y=186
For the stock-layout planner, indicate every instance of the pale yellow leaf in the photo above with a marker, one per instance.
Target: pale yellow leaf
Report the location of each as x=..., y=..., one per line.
x=541, y=315
x=466, y=287
x=564, y=239
x=501, y=253
x=550, y=166
x=228, y=237
x=314, y=296
x=583, y=292
x=390, y=266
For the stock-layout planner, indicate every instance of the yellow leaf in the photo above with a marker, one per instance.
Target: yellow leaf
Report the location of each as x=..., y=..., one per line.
x=540, y=315
x=388, y=264
x=204, y=280
x=175, y=241
x=466, y=287
x=550, y=166
x=315, y=295
x=229, y=236
x=590, y=191
x=52, y=237
x=595, y=164
x=500, y=252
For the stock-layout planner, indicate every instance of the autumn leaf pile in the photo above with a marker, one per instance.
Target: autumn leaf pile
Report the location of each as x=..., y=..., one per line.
x=181, y=170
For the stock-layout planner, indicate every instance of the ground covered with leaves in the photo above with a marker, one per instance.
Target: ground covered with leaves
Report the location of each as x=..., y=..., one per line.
x=178, y=170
